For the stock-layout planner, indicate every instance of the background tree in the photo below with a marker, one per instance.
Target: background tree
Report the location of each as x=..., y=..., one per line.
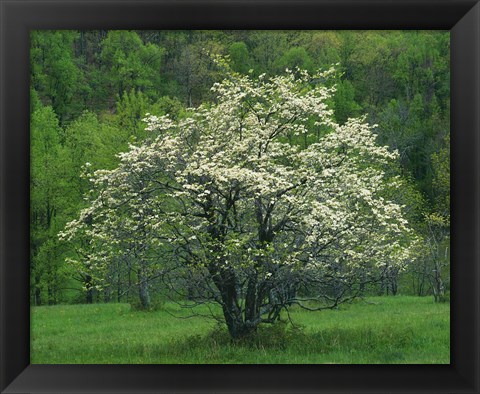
x=438, y=223
x=240, y=57
x=293, y=58
x=55, y=73
x=128, y=63
x=46, y=204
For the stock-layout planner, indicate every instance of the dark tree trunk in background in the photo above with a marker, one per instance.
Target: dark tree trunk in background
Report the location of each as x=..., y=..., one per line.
x=143, y=291
x=38, y=296
x=50, y=296
x=89, y=287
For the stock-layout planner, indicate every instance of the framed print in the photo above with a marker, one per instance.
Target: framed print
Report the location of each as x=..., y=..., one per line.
x=225, y=176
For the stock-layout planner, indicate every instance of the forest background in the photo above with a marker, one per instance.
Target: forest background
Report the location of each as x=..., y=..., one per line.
x=90, y=91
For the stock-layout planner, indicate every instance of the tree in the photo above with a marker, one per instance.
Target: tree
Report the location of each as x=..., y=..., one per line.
x=345, y=105
x=323, y=46
x=131, y=107
x=55, y=74
x=195, y=73
x=438, y=223
x=130, y=64
x=293, y=58
x=221, y=200
x=240, y=57
x=46, y=203
x=267, y=47
x=84, y=140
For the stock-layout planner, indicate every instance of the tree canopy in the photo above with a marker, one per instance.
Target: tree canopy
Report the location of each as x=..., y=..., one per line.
x=229, y=201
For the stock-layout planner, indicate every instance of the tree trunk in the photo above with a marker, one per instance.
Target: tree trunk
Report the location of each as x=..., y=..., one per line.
x=238, y=327
x=119, y=281
x=38, y=296
x=437, y=285
x=89, y=296
x=143, y=292
x=129, y=282
x=251, y=304
x=50, y=294
x=89, y=287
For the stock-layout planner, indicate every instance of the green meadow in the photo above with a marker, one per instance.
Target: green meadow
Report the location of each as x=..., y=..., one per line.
x=377, y=330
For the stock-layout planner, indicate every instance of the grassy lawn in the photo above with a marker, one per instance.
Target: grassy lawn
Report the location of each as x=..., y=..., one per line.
x=382, y=330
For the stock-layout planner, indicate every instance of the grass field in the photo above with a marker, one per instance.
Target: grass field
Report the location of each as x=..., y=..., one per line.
x=382, y=330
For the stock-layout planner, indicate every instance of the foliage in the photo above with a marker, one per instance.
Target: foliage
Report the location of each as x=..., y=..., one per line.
x=129, y=63
x=54, y=70
x=240, y=57
x=345, y=105
x=45, y=203
x=295, y=58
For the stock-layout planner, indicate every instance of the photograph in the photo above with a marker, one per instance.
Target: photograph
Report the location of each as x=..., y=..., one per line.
x=239, y=196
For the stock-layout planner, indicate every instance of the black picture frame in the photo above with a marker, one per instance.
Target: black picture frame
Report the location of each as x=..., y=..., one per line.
x=18, y=17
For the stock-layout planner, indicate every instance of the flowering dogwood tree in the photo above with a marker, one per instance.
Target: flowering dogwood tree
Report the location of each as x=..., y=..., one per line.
x=257, y=201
